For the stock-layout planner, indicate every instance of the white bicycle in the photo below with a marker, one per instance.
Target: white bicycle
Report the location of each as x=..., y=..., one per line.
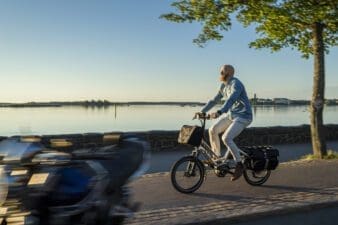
x=189, y=172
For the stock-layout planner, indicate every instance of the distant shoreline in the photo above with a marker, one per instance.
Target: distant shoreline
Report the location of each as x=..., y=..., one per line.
x=105, y=103
x=93, y=104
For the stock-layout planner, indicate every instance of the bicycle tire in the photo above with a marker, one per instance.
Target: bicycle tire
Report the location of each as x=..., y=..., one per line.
x=260, y=181
x=198, y=166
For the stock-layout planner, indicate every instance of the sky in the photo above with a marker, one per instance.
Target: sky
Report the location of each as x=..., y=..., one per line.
x=119, y=50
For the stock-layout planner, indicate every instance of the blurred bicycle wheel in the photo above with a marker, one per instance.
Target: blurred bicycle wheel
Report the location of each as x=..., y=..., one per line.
x=3, y=186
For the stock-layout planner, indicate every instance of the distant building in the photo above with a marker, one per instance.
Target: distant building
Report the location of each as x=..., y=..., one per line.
x=262, y=101
x=254, y=100
x=281, y=101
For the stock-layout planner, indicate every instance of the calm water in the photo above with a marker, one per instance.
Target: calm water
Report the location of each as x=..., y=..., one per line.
x=57, y=120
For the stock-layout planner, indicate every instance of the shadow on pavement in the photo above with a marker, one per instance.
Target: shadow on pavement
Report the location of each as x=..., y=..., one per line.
x=242, y=198
x=295, y=189
x=221, y=197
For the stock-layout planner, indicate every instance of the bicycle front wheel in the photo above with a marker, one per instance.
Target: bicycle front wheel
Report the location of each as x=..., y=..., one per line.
x=187, y=174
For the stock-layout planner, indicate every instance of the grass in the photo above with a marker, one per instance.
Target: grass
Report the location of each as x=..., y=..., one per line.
x=330, y=155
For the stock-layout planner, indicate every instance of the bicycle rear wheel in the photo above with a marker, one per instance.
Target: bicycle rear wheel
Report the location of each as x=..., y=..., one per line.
x=187, y=174
x=256, y=178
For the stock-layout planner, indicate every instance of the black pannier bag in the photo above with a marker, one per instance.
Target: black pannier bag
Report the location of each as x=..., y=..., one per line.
x=191, y=135
x=262, y=158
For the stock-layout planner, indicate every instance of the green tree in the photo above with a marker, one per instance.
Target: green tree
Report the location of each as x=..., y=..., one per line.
x=310, y=26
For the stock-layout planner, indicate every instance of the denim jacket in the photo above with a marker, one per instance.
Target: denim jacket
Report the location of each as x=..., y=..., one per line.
x=237, y=103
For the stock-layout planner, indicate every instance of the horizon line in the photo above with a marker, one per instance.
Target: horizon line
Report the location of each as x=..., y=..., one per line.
x=143, y=101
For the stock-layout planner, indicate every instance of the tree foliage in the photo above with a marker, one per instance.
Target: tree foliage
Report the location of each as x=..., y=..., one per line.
x=278, y=23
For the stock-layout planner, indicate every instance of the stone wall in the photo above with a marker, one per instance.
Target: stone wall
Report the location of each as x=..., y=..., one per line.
x=167, y=140
x=250, y=136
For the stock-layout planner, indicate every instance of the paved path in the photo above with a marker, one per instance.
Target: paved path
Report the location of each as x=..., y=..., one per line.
x=293, y=186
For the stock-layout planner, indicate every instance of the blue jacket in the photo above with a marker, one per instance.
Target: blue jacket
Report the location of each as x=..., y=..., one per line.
x=237, y=102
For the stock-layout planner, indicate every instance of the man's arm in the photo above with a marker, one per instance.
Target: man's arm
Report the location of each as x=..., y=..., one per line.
x=212, y=102
x=236, y=90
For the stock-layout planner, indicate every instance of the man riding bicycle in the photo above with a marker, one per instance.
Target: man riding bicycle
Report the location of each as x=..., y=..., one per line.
x=233, y=117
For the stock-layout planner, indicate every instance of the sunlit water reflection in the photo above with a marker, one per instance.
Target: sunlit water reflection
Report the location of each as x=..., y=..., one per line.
x=57, y=120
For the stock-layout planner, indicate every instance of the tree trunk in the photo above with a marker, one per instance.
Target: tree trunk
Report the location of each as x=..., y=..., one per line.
x=317, y=104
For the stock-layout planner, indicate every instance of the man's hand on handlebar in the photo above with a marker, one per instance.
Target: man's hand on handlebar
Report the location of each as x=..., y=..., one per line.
x=215, y=115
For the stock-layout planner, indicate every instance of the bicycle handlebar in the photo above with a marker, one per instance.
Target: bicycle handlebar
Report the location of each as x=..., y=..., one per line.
x=202, y=116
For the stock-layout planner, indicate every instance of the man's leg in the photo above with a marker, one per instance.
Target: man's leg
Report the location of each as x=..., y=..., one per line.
x=233, y=131
x=220, y=126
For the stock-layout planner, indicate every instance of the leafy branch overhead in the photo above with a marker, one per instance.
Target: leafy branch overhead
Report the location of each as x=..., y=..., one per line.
x=278, y=23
